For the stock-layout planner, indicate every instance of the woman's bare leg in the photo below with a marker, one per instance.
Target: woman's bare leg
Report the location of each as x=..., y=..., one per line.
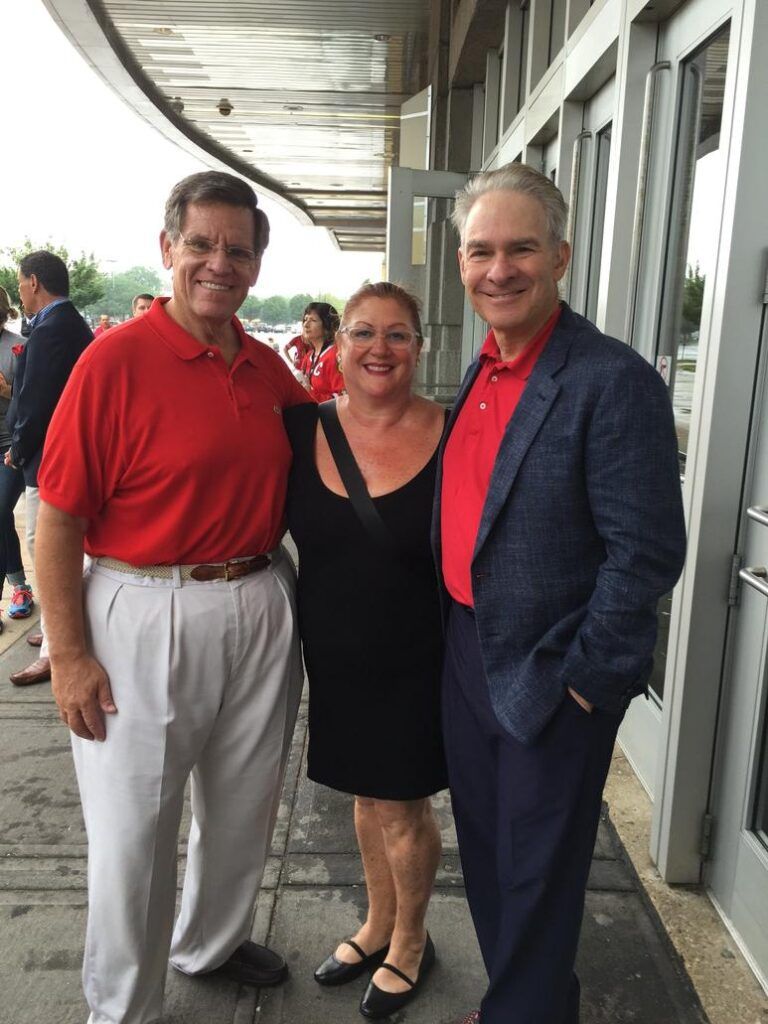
x=377, y=929
x=412, y=846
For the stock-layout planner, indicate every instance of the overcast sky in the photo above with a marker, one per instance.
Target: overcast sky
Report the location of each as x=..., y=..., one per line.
x=80, y=168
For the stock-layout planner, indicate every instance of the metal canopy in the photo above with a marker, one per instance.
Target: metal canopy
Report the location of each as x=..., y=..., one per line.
x=301, y=96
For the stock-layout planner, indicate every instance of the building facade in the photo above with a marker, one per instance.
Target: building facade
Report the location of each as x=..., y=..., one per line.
x=651, y=118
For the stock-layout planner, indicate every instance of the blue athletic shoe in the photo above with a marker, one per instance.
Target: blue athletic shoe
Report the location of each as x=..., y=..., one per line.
x=21, y=603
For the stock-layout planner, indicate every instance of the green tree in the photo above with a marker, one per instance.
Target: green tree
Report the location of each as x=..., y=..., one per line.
x=274, y=310
x=334, y=300
x=251, y=308
x=297, y=304
x=121, y=288
x=693, y=297
x=86, y=282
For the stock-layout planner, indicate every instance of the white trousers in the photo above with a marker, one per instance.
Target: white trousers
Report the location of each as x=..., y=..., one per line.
x=206, y=678
x=31, y=510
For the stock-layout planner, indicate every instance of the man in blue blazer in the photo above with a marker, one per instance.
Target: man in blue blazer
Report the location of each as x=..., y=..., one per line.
x=558, y=526
x=58, y=335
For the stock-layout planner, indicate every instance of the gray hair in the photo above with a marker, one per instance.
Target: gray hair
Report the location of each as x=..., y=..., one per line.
x=215, y=187
x=514, y=177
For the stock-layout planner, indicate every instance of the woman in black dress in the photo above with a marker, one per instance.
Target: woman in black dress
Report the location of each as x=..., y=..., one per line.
x=370, y=624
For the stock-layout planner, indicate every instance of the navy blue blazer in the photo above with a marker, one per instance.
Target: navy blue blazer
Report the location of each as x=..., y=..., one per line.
x=43, y=369
x=581, y=533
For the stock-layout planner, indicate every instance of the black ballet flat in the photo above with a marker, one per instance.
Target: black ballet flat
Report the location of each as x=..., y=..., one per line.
x=378, y=1003
x=333, y=971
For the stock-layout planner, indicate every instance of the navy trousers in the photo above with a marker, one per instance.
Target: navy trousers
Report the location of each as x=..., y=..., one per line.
x=526, y=818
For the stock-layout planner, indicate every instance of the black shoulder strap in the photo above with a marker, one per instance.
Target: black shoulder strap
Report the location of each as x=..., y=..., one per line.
x=352, y=478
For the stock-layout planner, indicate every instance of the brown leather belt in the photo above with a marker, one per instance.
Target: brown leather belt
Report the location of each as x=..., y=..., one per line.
x=234, y=569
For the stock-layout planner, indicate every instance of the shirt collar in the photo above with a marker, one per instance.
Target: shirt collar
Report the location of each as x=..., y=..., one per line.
x=521, y=366
x=184, y=345
x=37, y=318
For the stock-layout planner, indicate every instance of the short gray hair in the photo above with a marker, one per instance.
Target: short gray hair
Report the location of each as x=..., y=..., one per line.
x=215, y=187
x=514, y=178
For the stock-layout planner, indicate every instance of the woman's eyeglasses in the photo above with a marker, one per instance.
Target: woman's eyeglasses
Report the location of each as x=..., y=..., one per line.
x=367, y=335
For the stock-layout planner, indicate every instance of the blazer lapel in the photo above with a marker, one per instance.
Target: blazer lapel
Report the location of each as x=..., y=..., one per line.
x=531, y=412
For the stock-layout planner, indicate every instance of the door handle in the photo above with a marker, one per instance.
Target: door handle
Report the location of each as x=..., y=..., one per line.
x=578, y=146
x=755, y=576
x=649, y=105
x=759, y=514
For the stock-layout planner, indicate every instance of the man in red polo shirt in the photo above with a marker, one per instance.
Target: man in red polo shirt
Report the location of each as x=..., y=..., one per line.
x=167, y=462
x=559, y=527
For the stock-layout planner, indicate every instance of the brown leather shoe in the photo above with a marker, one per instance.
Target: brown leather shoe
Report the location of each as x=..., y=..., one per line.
x=38, y=672
x=35, y=639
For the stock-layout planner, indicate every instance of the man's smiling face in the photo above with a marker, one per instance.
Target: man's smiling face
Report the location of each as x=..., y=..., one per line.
x=510, y=266
x=211, y=286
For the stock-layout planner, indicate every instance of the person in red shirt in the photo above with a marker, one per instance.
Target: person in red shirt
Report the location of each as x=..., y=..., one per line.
x=558, y=527
x=104, y=324
x=320, y=363
x=167, y=461
x=295, y=350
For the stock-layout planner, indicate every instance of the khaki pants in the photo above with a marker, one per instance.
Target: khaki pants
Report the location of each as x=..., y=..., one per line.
x=206, y=678
x=31, y=511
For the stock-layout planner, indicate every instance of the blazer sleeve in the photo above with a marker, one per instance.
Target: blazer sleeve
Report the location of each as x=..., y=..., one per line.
x=633, y=484
x=48, y=363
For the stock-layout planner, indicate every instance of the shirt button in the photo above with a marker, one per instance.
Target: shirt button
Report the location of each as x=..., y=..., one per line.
x=494, y=379
x=482, y=405
x=210, y=355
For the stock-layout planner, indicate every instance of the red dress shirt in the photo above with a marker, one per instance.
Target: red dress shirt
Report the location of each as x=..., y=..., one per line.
x=470, y=453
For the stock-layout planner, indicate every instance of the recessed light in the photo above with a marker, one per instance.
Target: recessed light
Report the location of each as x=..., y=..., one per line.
x=293, y=107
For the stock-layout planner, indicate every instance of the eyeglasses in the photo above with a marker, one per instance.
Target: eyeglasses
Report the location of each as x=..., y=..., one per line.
x=205, y=247
x=367, y=335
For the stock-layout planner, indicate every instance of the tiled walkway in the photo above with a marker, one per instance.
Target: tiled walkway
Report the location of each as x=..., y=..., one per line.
x=312, y=896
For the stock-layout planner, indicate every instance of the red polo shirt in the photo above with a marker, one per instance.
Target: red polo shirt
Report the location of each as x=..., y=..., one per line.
x=171, y=456
x=471, y=450
x=322, y=371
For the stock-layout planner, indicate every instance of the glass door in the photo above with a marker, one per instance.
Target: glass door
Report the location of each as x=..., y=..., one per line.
x=589, y=181
x=421, y=255
x=737, y=873
x=681, y=192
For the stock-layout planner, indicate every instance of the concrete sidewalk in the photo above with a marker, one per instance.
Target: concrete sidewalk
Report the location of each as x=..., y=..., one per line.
x=312, y=896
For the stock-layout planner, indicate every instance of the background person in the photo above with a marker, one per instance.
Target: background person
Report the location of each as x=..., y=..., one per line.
x=104, y=324
x=141, y=303
x=11, y=480
x=57, y=338
x=320, y=364
x=168, y=459
x=560, y=525
x=295, y=350
x=370, y=625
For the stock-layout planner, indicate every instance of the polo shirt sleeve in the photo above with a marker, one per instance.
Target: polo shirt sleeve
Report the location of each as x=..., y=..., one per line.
x=83, y=454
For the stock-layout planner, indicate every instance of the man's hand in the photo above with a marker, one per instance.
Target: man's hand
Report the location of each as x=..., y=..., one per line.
x=83, y=694
x=7, y=459
x=581, y=701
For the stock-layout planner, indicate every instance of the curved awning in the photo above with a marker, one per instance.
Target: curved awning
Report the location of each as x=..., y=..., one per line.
x=302, y=97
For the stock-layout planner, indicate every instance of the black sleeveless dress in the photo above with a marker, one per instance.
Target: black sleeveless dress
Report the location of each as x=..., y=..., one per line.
x=370, y=626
